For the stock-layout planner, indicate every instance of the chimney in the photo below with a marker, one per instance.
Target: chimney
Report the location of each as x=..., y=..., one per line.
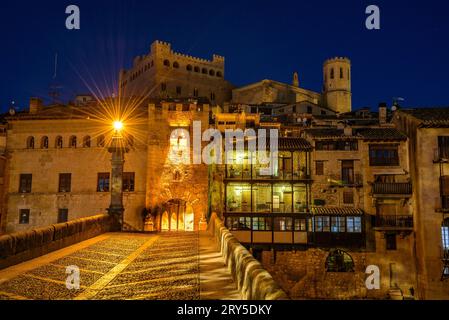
x=382, y=113
x=35, y=105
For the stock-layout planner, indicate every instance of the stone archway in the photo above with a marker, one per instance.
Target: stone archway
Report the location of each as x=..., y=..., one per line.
x=178, y=216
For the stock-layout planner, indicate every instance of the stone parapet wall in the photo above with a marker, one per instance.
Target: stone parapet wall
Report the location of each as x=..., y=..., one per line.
x=22, y=246
x=253, y=281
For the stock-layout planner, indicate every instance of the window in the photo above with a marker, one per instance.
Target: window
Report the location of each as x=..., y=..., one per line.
x=339, y=261
x=63, y=215
x=322, y=224
x=341, y=73
x=300, y=225
x=103, y=182
x=238, y=223
x=309, y=110
x=65, y=182
x=443, y=147
x=176, y=65
x=390, y=239
x=189, y=68
x=30, y=143
x=128, y=181
x=44, y=143
x=163, y=87
x=195, y=93
x=100, y=141
x=212, y=73
x=59, y=143
x=166, y=63
x=348, y=197
x=332, y=73
x=338, y=224
x=72, y=142
x=445, y=237
x=24, y=216
x=196, y=69
x=283, y=224
x=204, y=71
x=353, y=224
x=319, y=168
x=383, y=155
x=219, y=74
x=329, y=145
x=261, y=224
x=212, y=96
x=25, y=183
x=178, y=90
x=347, y=171
x=87, y=142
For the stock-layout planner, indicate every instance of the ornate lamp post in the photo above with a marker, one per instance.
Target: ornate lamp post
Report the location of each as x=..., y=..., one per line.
x=118, y=151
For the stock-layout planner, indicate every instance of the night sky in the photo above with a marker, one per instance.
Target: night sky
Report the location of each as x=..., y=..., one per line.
x=408, y=57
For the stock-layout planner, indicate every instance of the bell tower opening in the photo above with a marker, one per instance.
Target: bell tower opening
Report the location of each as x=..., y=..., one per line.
x=178, y=216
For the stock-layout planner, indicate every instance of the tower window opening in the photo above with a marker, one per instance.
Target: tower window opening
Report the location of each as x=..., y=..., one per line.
x=166, y=63
x=30, y=143
x=44, y=143
x=332, y=73
x=341, y=73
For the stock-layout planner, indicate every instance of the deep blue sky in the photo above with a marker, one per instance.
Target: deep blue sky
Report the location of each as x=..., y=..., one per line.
x=260, y=39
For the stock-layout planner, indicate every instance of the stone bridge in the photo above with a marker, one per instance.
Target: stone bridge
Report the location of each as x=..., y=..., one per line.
x=118, y=266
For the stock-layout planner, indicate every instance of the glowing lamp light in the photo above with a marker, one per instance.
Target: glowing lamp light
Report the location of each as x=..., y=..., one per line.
x=118, y=126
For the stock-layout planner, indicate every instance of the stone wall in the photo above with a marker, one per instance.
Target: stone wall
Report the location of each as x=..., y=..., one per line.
x=253, y=281
x=22, y=246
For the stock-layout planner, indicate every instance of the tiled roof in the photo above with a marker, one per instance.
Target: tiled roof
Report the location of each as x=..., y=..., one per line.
x=337, y=211
x=430, y=117
x=294, y=144
x=325, y=132
x=381, y=134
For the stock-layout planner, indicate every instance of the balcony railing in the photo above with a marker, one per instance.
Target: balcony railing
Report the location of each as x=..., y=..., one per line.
x=339, y=180
x=400, y=222
x=441, y=154
x=400, y=188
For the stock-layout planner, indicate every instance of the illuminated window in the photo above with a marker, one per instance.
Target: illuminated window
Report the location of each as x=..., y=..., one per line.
x=338, y=224
x=353, y=224
x=128, y=181
x=322, y=224
x=445, y=237
x=103, y=182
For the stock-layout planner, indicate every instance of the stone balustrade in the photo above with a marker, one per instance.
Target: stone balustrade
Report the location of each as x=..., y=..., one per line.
x=253, y=281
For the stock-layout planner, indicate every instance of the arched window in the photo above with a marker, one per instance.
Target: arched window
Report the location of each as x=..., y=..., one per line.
x=196, y=69
x=189, y=67
x=44, y=143
x=100, y=141
x=339, y=261
x=219, y=74
x=341, y=73
x=59, y=143
x=87, y=142
x=332, y=73
x=176, y=65
x=211, y=72
x=166, y=63
x=72, y=142
x=30, y=143
x=204, y=71
x=445, y=238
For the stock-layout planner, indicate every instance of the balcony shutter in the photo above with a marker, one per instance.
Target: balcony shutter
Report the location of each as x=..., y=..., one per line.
x=444, y=185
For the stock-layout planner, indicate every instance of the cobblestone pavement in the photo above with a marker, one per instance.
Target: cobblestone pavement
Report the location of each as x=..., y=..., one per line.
x=121, y=266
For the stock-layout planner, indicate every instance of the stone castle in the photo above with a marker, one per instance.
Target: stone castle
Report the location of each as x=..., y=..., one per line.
x=352, y=188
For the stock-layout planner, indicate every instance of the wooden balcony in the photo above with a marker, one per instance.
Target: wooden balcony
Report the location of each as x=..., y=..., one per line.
x=381, y=189
x=399, y=223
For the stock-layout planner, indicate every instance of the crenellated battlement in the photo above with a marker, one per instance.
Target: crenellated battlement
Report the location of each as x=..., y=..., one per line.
x=337, y=59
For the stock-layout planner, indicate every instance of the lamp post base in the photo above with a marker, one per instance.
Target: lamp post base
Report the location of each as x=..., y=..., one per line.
x=117, y=218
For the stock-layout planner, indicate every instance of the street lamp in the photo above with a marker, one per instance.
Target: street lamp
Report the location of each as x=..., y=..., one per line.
x=118, y=150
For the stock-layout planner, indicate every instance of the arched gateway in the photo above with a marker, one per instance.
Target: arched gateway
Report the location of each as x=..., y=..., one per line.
x=177, y=215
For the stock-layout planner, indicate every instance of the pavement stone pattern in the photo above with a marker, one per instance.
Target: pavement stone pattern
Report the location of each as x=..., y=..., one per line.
x=166, y=269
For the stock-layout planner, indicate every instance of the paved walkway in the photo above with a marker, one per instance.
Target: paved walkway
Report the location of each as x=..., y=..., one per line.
x=119, y=266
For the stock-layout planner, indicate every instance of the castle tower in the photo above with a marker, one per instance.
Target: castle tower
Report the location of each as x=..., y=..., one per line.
x=337, y=84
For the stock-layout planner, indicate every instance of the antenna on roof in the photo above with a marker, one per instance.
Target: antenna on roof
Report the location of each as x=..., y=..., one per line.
x=54, y=87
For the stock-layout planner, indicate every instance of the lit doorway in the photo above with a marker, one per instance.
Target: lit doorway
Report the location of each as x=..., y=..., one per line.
x=178, y=216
